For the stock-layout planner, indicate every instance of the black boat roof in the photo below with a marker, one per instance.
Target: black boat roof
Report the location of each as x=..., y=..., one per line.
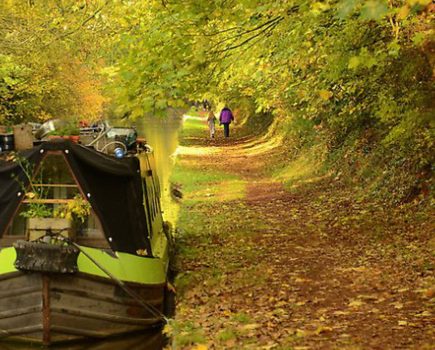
x=112, y=186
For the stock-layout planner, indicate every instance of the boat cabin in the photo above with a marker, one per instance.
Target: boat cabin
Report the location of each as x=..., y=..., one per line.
x=95, y=199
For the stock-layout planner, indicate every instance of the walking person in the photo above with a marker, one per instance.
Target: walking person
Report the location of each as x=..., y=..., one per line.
x=211, y=121
x=225, y=119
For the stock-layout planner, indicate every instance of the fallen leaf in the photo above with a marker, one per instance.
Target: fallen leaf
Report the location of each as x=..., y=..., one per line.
x=430, y=292
x=340, y=313
x=251, y=326
x=322, y=329
x=398, y=305
x=167, y=330
x=325, y=94
x=301, y=280
x=356, y=303
x=368, y=297
x=302, y=333
x=424, y=314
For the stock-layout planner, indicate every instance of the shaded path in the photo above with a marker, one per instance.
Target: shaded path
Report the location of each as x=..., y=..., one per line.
x=309, y=269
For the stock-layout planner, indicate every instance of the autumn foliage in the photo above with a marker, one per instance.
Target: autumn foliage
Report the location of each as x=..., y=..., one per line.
x=350, y=82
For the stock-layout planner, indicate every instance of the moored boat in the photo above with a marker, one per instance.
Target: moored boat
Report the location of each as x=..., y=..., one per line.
x=83, y=249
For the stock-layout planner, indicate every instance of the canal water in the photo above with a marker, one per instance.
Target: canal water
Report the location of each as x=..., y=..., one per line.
x=162, y=135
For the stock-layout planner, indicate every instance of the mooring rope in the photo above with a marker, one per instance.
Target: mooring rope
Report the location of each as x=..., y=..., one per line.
x=151, y=308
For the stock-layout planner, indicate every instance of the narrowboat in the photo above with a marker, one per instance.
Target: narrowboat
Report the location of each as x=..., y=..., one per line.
x=84, y=252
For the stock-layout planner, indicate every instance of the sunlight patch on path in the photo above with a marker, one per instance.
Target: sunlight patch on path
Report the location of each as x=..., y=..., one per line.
x=306, y=168
x=264, y=144
x=257, y=147
x=251, y=148
x=220, y=192
x=195, y=151
x=192, y=117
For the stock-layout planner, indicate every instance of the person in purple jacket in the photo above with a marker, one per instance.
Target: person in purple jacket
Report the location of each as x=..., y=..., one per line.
x=225, y=119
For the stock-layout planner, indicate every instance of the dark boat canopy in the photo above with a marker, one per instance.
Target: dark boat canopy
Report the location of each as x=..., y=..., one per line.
x=112, y=186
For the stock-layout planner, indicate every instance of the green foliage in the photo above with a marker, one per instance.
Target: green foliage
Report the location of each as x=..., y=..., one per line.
x=69, y=129
x=49, y=52
x=77, y=209
x=37, y=210
x=332, y=72
x=31, y=191
x=185, y=333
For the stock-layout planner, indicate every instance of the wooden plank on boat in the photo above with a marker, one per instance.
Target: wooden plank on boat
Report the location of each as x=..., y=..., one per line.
x=23, y=137
x=19, y=292
x=48, y=201
x=72, y=296
x=53, y=308
x=18, y=302
x=14, y=312
x=86, y=332
x=24, y=330
x=112, y=318
x=20, y=321
x=85, y=323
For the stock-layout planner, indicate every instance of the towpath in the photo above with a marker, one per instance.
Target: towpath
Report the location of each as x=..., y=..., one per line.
x=311, y=267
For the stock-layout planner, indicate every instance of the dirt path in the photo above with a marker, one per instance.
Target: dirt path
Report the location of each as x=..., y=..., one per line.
x=313, y=268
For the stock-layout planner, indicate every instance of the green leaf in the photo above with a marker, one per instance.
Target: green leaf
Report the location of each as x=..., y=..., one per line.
x=394, y=48
x=374, y=10
x=418, y=38
x=354, y=62
x=347, y=7
x=325, y=94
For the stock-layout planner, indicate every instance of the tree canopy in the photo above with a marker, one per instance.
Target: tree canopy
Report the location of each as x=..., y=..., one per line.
x=351, y=74
x=333, y=70
x=49, y=59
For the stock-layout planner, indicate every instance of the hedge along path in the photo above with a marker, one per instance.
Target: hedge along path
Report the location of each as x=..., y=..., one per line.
x=314, y=267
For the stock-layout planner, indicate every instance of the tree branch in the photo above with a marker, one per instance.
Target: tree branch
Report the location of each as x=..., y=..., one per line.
x=269, y=28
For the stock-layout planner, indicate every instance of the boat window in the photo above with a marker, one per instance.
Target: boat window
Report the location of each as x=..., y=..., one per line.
x=157, y=202
x=151, y=200
x=147, y=204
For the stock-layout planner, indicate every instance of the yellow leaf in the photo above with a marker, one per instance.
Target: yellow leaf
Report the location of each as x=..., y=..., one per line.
x=251, y=326
x=325, y=94
x=30, y=195
x=168, y=330
x=402, y=323
x=356, y=303
x=301, y=280
x=424, y=314
x=398, y=305
x=227, y=313
x=323, y=329
x=200, y=347
x=341, y=313
x=368, y=297
x=301, y=333
x=353, y=62
x=403, y=12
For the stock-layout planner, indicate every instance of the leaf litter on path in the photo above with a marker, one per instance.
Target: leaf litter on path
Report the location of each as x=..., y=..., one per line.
x=311, y=268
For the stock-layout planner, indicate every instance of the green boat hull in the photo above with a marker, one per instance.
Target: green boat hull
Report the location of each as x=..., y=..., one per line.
x=52, y=307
